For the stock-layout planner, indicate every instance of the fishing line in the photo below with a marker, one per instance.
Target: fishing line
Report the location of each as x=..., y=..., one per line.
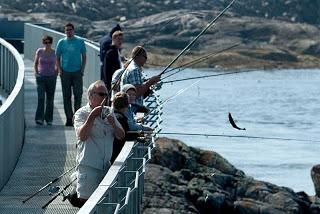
x=206, y=76
x=198, y=60
x=143, y=44
x=179, y=92
x=235, y=136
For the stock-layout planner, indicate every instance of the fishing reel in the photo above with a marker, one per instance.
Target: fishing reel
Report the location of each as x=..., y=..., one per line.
x=105, y=112
x=157, y=86
x=53, y=190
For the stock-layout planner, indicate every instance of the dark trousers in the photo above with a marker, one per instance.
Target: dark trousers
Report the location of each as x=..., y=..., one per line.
x=71, y=81
x=46, y=86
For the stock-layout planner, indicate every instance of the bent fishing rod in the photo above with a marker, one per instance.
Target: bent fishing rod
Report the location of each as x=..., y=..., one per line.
x=197, y=37
x=198, y=60
x=49, y=183
x=236, y=136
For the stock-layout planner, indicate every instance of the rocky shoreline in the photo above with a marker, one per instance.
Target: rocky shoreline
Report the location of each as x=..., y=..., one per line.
x=182, y=179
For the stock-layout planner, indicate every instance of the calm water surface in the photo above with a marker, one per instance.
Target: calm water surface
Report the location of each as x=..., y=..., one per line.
x=282, y=104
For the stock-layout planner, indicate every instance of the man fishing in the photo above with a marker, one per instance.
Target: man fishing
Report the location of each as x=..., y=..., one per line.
x=133, y=74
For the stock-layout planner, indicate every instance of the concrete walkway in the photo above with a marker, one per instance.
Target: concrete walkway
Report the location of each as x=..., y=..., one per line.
x=48, y=151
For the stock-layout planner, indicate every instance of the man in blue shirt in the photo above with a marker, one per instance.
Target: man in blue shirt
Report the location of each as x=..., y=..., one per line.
x=71, y=61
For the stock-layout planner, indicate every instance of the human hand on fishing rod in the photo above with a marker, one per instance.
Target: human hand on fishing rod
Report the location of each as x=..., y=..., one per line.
x=153, y=82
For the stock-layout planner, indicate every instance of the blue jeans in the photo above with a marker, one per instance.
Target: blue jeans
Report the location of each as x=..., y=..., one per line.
x=46, y=86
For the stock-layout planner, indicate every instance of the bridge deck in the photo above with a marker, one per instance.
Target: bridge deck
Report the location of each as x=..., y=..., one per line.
x=48, y=151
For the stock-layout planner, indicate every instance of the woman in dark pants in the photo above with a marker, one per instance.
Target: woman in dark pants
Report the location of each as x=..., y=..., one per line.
x=46, y=75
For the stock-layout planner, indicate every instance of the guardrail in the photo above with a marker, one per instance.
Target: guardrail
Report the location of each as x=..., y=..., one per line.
x=12, y=110
x=122, y=188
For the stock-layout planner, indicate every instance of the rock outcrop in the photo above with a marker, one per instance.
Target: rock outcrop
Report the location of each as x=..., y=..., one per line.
x=182, y=179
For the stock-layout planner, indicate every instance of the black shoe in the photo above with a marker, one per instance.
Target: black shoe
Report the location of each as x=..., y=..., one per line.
x=74, y=200
x=69, y=123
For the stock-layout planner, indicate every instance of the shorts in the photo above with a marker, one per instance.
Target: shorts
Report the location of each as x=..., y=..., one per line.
x=88, y=180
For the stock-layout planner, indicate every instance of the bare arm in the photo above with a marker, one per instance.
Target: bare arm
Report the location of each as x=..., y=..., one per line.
x=118, y=130
x=142, y=89
x=36, y=63
x=83, y=62
x=58, y=64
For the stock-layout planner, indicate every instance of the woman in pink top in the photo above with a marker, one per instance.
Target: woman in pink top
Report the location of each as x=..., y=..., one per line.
x=46, y=76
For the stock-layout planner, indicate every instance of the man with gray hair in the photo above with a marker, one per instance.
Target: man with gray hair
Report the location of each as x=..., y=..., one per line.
x=96, y=127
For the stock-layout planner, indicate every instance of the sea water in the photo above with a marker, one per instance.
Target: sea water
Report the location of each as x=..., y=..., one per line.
x=271, y=104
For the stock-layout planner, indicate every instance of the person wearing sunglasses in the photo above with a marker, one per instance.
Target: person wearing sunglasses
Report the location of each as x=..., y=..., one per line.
x=133, y=74
x=46, y=76
x=96, y=127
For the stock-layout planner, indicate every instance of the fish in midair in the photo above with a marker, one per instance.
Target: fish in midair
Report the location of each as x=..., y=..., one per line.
x=234, y=125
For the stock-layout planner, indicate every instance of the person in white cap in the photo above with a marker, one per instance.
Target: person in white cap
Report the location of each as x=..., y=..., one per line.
x=130, y=90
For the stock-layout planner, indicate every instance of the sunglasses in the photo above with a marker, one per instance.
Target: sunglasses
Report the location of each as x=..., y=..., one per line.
x=101, y=94
x=47, y=43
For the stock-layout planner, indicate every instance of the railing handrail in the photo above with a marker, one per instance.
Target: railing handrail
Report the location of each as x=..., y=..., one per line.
x=115, y=192
x=94, y=45
x=108, y=180
x=19, y=80
x=12, y=110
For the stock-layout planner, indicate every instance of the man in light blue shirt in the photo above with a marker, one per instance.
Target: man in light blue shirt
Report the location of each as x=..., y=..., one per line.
x=71, y=61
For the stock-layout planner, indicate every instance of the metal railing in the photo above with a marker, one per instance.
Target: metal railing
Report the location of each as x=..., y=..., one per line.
x=12, y=109
x=122, y=188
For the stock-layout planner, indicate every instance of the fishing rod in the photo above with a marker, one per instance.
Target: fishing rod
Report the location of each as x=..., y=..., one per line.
x=175, y=95
x=106, y=99
x=143, y=44
x=198, y=60
x=206, y=76
x=48, y=184
x=197, y=37
x=236, y=136
x=60, y=192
